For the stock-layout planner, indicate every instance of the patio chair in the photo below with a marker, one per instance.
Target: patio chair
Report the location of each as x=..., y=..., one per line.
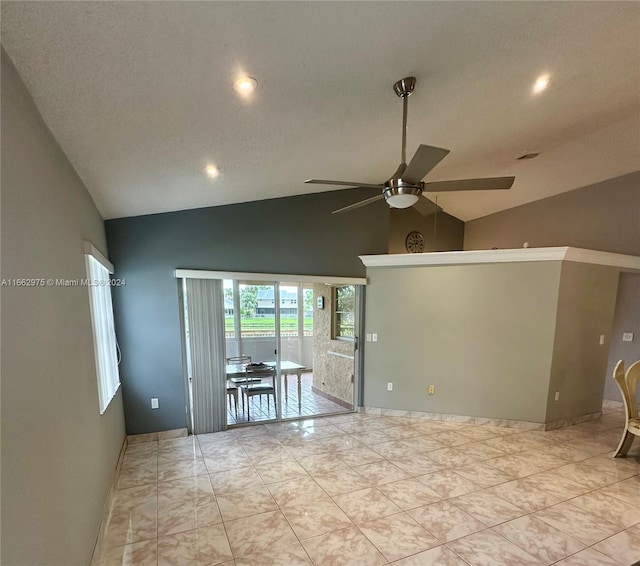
x=232, y=388
x=250, y=387
x=628, y=385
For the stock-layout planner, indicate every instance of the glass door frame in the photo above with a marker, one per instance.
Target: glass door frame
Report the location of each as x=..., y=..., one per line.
x=275, y=279
x=237, y=325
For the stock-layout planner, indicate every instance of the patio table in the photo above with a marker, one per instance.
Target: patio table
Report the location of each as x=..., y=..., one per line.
x=286, y=368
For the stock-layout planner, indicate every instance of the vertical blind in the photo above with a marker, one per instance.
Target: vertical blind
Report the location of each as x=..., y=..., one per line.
x=205, y=323
x=104, y=336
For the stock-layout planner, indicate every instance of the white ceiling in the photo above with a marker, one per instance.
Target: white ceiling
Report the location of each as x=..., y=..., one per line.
x=139, y=96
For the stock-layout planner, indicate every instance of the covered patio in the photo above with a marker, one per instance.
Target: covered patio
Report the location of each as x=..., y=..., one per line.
x=262, y=408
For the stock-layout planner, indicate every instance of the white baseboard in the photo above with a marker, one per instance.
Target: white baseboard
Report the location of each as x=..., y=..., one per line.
x=486, y=421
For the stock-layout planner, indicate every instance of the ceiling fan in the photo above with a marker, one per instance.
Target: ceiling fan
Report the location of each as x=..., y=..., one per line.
x=405, y=187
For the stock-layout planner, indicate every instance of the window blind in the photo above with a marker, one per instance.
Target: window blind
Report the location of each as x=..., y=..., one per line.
x=104, y=336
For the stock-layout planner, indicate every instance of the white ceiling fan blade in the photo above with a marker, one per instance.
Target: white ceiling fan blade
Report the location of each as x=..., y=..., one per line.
x=425, y=159
x=489, y=184
x=342, y=183
x=359, y=204
x=426, y=207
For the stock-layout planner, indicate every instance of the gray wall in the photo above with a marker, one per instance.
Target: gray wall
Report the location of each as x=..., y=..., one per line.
x=604, y=216
x=296, y=235
x=482, y=334
x=626, y=319
x=449, y=231
x=59, y=454
x=586, y=304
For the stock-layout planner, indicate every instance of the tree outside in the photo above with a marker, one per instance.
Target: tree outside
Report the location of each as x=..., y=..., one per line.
x=264, y=325
x=248, y=300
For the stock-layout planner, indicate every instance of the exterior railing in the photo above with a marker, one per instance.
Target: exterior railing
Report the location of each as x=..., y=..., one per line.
x=267, y=334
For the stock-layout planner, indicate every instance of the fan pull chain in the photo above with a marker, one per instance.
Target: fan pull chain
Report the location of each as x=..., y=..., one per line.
x=435, y=226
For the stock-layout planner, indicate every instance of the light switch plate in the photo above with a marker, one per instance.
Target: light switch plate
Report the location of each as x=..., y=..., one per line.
x=627, y=336
x=374, y=337
x=154, y=403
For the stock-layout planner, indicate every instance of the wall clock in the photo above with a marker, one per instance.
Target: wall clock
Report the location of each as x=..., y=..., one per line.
x=414, y=242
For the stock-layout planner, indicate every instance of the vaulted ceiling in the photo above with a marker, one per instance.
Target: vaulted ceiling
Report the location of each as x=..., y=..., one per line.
x=139, y=95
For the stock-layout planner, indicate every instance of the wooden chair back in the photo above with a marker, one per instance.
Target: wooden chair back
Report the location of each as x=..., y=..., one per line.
x=628, y=385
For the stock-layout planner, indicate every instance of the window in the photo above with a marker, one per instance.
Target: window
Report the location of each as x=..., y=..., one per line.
x=307, y=295
x=343, y=304
x=229, y=308
x=104, y=336
x=289, y=311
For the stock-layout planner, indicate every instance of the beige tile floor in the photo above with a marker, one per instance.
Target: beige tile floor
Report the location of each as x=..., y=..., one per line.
x=367, y=490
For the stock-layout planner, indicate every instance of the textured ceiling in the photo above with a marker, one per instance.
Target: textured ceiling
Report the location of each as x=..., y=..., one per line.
x=139, y=95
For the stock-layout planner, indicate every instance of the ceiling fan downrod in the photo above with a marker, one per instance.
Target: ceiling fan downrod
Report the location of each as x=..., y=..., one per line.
x=403, y=88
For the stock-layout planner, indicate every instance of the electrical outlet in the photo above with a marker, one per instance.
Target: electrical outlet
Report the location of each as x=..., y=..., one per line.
x=557, y=398
x=389, y=386
x=431, y=389
x=627, y=336
x=154, y=403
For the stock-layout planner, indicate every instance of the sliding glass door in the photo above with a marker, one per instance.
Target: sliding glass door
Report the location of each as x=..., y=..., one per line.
x=296, y=347
x=251, y=317
x=302, y=334
x=308, y=331
x=331, y=386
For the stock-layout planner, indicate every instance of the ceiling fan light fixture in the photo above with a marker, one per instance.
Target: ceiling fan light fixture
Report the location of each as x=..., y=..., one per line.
x=401, y=197
x=402, y=201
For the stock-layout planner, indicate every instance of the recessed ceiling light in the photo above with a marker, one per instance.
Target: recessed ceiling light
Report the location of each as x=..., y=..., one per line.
x=212, y=171
x=245, y=85
x=541, y=84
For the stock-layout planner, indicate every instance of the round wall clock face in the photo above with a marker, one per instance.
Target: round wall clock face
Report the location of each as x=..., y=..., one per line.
x=414, y=242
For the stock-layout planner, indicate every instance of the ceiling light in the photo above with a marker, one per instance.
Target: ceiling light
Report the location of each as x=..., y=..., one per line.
x=212, y=171
x=401, y=197
x=402, y=201
x=541, y=84
x=245, y=85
